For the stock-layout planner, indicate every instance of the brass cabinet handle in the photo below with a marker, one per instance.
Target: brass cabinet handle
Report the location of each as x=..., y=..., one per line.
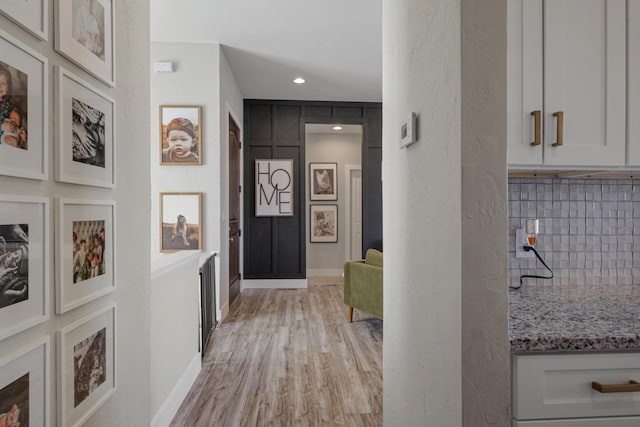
x=560, y=116
x=537, y=127
x=629, y=387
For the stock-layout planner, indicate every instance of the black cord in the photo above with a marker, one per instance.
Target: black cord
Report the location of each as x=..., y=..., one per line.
x=528, y=248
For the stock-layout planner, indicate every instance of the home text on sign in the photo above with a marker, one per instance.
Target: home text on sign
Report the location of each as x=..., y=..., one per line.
x=274, y=189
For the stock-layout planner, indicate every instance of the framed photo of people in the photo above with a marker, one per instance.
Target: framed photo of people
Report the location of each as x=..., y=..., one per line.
x=84, y=33
x=86, y=128
x=85, y=232
x=323, y=221
x=180, y=222
x=32, y=15
x=323, y=181
x=86, y=366
x=180, y=135
x=25, y=388
x=23, y=110
x=274, y=187
x=24, y=263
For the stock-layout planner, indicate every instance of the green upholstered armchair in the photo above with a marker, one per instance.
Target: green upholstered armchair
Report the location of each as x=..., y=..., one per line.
x=363, y=284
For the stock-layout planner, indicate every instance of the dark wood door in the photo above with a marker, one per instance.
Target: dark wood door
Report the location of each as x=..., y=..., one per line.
x=234, y=210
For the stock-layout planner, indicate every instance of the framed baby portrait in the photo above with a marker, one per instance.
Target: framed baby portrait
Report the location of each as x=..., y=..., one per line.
x=23, y=110
x=86, y=366
x=180, y=222
x=180, y=135
x=84, y=33
x=85, y=233
x=32, y=15
x=86, y=127
x=323, y=181
x=24, y=263
x=25, y=388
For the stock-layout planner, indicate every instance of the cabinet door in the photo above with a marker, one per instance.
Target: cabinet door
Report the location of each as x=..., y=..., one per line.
x=585, y=79
x=633, y=68
x=524, y=80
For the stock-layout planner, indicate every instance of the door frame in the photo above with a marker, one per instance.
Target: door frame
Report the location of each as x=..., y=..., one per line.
x=347, y=208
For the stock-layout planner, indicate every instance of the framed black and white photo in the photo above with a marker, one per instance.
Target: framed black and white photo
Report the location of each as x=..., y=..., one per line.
x=86, y=366
x=32, y=15
x=86, y=128
x=274, y=187
x=23, y=110
x=180, y=222
x=25, y=389
x=24, y=263
x=85, y=234
x=323, y=221
x=84, y=33
x=323, y=181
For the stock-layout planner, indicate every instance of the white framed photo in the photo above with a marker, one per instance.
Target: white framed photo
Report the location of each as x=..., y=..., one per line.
x=24, y=89
x=86, y=131
x=323, y=222
x=84, y=33
x=25, y=388
x=32, y=15
x=85, y=233
x=86, y=366
x=24, y=263
x=323, y=181
x=274, y=187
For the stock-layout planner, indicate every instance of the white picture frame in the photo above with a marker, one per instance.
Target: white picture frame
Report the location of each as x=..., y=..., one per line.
x=274, y=187
x=24, y=228
x=323, y=181
x=79, y=394
x=29, y=74
x=25, y=383
x=85, y=117
x=32, y=15
x=85, y=35
x=84, y=277
x=323, y=223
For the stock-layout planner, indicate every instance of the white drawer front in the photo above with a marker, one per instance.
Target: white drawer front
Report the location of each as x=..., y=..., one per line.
x=589, y=422
x=549, y=386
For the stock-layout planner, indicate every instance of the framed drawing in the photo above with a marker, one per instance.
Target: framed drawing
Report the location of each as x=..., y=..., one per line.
x=274, y=187
x=32, y=15
x=84, y=33
x=25, y=389
x=24, y=263
x=23, y=110
x=180, y=222
x=86, y=366
x=323, y=181
x=180, y=135
x=323, y=221
x=86, y=128
x=85, y=233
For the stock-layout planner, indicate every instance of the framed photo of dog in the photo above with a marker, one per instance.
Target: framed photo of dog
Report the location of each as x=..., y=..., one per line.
x=180, y=222
x=180, y=135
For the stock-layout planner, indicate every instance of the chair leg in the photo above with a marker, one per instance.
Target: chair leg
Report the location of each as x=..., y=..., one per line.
x=350, y=312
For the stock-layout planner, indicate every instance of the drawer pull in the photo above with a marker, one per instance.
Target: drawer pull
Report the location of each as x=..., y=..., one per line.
x=559, y=115
x=537, y=127
x=631, y=386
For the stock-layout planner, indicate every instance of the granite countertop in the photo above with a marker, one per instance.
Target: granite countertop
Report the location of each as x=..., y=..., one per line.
x=574, y=318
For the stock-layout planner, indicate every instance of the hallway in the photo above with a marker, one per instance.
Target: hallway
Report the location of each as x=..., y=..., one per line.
x=289, y=357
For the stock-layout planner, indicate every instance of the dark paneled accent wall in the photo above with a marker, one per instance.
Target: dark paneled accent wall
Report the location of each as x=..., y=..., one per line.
x=275, y=247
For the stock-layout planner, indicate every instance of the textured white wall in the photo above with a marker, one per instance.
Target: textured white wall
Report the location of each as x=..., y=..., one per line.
x=485, y=348
x=422, y=214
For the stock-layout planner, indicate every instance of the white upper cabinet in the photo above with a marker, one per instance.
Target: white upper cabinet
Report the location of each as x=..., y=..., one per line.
x=633, y=70
x=567, y=59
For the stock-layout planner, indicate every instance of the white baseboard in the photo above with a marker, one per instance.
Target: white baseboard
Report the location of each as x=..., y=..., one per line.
x=224, y=310
x=273, y=284
x=325, y=272
x=172, y=403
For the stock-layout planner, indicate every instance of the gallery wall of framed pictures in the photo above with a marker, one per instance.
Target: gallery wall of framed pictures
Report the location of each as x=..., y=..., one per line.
x=323, y=218
x=84, y=245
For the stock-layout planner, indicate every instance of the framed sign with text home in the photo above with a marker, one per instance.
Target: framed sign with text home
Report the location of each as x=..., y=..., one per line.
x=274, y=187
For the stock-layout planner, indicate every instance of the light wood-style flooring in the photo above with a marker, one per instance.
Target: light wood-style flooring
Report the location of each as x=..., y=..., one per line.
x=289, y=358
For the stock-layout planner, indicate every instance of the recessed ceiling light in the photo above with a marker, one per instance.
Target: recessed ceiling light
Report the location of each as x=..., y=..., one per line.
x=337, y=128
x=298, y=80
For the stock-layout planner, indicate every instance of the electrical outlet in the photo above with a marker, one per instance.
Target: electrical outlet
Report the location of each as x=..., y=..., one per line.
x=521, y=240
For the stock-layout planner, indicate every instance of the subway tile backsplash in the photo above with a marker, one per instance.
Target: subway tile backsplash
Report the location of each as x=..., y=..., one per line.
x=589, y=230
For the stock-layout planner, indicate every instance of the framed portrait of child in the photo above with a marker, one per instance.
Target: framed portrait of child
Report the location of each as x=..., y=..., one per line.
x=180, y=135
x=180, y=222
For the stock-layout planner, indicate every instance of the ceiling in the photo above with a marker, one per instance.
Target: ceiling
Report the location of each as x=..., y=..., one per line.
x=318, y=128
x=335, y=45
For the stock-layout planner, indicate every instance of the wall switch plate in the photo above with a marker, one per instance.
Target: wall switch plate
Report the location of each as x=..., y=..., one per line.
x=521, y=240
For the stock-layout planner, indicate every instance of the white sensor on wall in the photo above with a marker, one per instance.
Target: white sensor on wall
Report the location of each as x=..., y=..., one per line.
x=163, y=67
x=408, y=131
